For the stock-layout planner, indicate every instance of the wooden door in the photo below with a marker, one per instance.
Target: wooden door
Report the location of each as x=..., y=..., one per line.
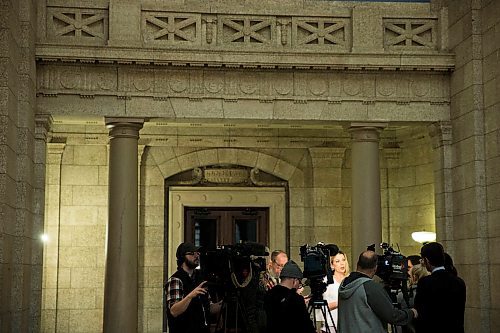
x=210, y=227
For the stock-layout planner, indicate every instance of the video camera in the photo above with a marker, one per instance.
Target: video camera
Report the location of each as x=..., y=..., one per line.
x=317, y=266
x=232, y=266
x=392, y=266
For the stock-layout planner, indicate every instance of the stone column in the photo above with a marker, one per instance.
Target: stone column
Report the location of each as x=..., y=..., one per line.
x=52, y=227
x=441, y=136
x=365, y=201
x=42, y=132
x=120, y=285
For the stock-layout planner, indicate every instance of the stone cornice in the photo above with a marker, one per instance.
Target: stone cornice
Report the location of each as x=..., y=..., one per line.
x=246, y=59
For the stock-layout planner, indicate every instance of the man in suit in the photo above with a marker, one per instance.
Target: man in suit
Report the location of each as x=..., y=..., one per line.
x=440, y=297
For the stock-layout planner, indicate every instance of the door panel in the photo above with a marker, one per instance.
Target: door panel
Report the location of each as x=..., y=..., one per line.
x=210, y=227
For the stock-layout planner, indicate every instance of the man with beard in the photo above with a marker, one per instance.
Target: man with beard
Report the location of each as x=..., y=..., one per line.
x=188, y=303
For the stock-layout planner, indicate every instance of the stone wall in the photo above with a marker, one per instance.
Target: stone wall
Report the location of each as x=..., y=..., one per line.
x=410, y=189
x=21, y=175
x=76, y=205
x=473, y=31
x=490, y=30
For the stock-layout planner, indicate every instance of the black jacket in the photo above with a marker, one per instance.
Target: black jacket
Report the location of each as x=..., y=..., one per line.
x=286, y=311
x=195, y=318
x=440, y=302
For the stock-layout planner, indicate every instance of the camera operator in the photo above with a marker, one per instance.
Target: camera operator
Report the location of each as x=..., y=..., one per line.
x=188, y=302
x=364, y=305
x=285, y=309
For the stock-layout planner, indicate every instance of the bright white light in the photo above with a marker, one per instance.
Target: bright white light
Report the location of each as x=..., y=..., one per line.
x=423, y=236
x=44, y=238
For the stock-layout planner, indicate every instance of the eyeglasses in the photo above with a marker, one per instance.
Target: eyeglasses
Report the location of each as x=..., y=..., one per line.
x=192, y=253
x=278, y=265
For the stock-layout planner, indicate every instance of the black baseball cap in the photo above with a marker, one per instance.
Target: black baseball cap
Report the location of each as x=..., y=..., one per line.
x=291, y=270
x=184, y=248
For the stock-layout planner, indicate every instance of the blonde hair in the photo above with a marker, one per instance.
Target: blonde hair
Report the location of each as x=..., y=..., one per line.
x=347, y=269
x=417, y=272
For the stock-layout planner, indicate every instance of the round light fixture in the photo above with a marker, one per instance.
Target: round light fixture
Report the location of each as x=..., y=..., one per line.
x=423, y=236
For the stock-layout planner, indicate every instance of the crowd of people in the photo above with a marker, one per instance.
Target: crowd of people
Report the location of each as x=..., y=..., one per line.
x=435, y=301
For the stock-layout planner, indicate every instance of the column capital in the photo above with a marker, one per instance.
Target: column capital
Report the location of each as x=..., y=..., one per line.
x=366, y=132
x=124, y=127
x=440, y=133
x=43, y=124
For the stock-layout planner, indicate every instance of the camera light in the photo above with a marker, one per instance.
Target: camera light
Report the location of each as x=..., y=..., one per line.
x=423, y=236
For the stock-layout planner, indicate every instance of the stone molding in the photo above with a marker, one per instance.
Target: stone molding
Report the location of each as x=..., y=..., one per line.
x=300, y=87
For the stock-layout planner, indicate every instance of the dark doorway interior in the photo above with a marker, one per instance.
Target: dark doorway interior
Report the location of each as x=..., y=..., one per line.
x=213, y=226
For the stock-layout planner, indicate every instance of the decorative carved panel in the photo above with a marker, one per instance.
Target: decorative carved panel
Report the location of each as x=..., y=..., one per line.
x=410, y=34
x=246, y=30
x=171, y=28
x=265, y=86
x=77, y=25
x=321, y=32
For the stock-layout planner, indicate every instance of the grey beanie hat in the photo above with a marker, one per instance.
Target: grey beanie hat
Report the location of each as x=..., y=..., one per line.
x=291, y=270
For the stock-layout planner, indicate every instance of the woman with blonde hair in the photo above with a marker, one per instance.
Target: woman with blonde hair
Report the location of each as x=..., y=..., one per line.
x=416, y=273
x=340, y=268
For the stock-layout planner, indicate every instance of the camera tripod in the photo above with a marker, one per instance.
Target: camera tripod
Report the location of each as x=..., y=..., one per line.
x=322, y=305
x=232, y=311
x=392, y=290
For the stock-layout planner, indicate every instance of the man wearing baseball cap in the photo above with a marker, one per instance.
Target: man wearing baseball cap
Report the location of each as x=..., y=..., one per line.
x=285, y=309
x=188, y=304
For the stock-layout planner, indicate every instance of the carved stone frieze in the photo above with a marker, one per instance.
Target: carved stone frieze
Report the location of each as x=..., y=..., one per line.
x=177, y=29
x=400, y=34
x=321, y=32
x=269, y=85
x=171, y=28
x=247, y=30
x=77, y=25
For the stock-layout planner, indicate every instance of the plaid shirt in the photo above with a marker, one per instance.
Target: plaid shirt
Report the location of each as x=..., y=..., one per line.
x=173, y=291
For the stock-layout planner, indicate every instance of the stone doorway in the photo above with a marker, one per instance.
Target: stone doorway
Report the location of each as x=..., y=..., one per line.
x=272, y=200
